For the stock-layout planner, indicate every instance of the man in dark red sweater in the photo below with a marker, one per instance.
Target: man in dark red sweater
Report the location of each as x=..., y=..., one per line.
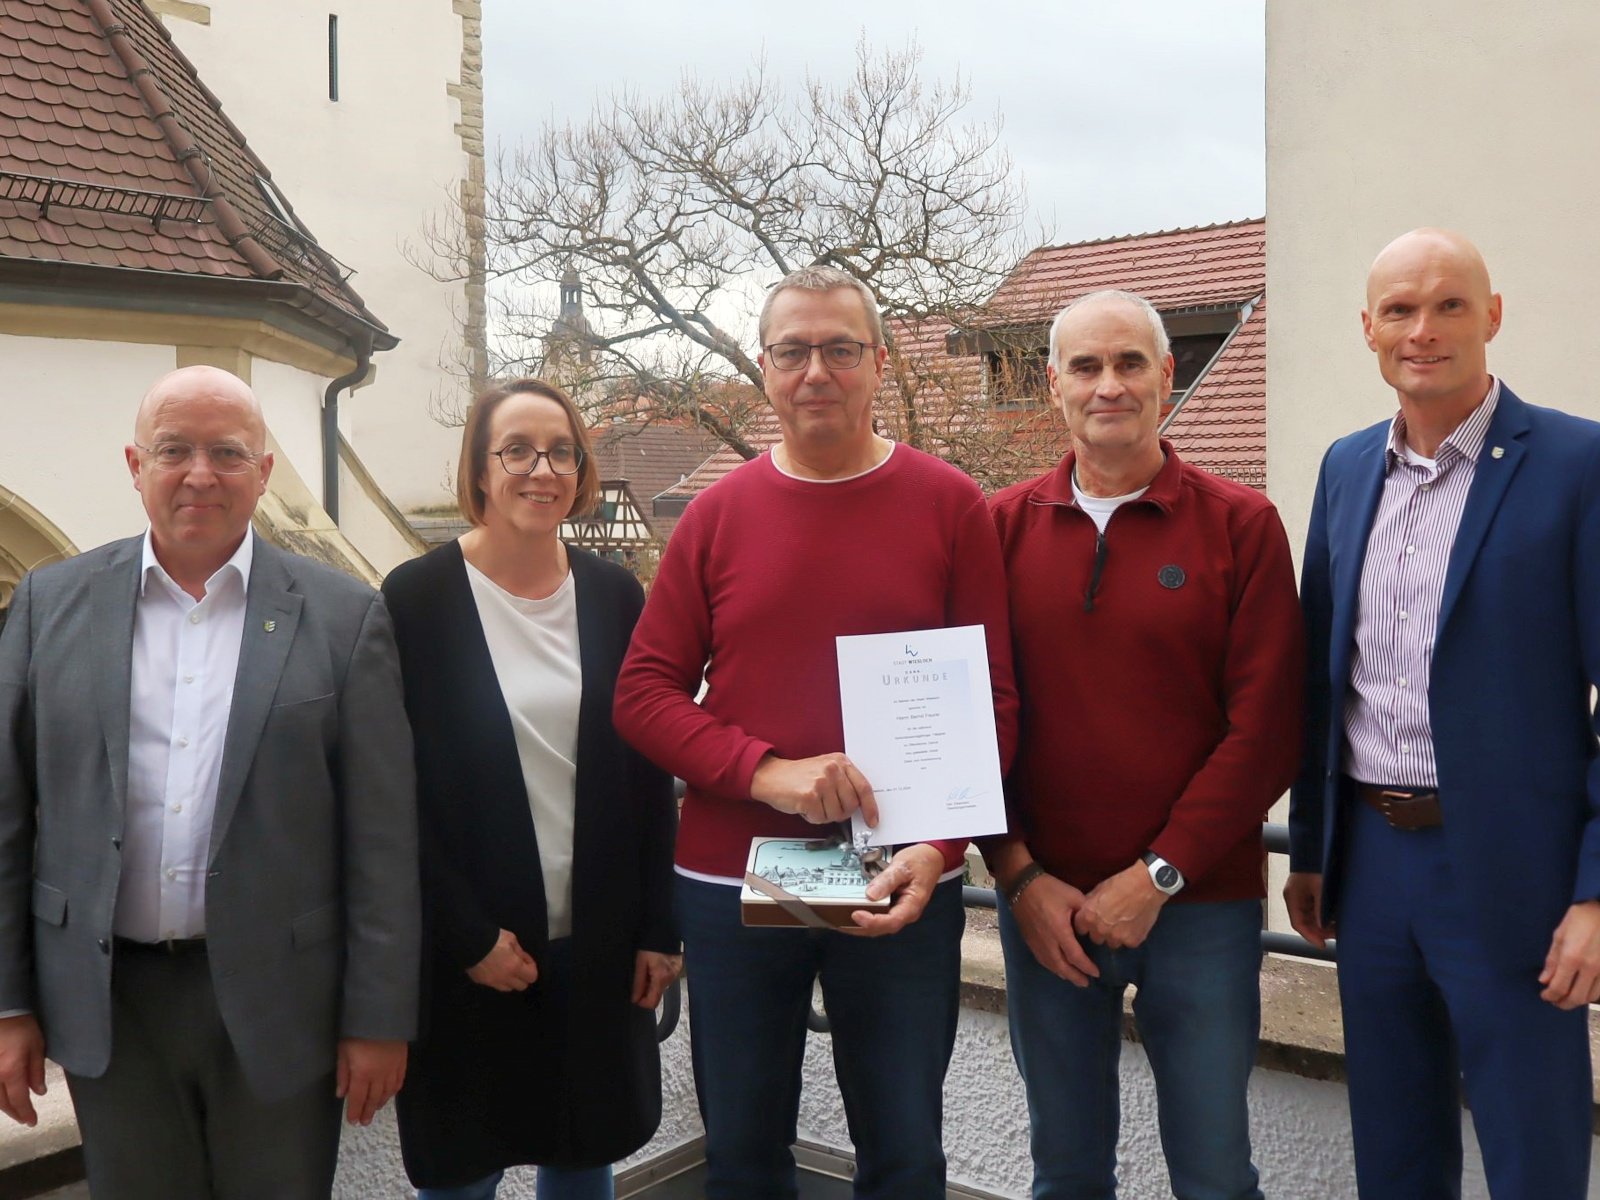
x=1159, y=649
x=836, y=531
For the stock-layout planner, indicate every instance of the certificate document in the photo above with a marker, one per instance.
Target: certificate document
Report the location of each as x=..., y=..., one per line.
x=919, y=723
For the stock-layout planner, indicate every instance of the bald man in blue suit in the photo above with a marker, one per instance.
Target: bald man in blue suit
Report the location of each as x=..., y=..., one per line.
x=1446, y=821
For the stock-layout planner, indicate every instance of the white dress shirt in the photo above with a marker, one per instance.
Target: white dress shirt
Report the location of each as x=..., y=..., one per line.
x=534, y=647
x=185, y=658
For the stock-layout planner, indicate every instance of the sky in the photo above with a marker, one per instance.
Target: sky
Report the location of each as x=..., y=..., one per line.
x=1123, y=116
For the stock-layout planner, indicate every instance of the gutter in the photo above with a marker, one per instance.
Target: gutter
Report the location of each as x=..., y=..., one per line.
x=145, y=289
x=1245, y=314
x=330, y=425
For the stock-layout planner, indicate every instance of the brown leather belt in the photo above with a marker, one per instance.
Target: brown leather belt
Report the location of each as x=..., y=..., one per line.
x=1403, y=808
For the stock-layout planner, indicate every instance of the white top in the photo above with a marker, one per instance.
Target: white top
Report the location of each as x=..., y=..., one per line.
x=841, y=479
x=1100, y=508
x=534, y=646
x=185, y=658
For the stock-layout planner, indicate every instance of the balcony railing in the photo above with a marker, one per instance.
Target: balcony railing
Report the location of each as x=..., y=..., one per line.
x=1276, y=837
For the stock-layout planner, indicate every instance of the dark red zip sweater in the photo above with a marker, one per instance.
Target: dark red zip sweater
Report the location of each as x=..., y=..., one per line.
x=1159, y=667
x=762, y=573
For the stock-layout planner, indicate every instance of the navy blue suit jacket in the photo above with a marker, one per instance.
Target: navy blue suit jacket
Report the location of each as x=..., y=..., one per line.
x=1515, y=655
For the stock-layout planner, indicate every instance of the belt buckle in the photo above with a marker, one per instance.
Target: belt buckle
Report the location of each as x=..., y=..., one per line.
x=1394, y=805
x=1390, y=799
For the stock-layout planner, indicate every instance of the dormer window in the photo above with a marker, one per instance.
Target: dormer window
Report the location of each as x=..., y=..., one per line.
x=278, y=205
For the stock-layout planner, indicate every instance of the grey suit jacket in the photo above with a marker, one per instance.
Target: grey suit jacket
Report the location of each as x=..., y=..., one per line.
x=312, y=909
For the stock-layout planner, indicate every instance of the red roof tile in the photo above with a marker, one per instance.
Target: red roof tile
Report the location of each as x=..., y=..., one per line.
x=761, y=433
x=653, y=458
x=1222, y=425
x=1173, y=269
x=85, y=86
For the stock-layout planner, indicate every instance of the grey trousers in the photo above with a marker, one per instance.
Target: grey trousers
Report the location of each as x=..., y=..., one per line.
x=173, y=1118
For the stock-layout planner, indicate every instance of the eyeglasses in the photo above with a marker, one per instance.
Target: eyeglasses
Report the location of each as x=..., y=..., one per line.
x=225, y=459
x=836, y=356
x=519, y=458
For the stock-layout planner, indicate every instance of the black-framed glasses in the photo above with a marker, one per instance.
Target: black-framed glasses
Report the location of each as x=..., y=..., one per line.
x=836, y=356
x=519, y=458
x=225, y=458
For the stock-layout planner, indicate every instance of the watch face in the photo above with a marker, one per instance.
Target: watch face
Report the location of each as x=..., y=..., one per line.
x=1167, y=876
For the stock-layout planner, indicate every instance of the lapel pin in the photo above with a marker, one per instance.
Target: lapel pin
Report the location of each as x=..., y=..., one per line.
x=269, y=626
x=1498, y=452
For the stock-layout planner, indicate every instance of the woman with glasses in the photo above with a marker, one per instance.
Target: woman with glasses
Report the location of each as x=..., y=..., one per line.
x=547, y=842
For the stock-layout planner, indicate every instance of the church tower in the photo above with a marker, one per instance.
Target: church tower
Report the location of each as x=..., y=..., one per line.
x=568, y=349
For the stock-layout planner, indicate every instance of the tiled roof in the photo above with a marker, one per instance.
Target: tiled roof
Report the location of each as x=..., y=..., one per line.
x=114, y=154
x=1222, y=426
x=653, y=458
x=761, y=433
x=1173, y=269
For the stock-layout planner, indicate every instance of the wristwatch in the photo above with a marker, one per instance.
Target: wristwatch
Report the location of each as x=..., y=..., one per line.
x=1163, y=874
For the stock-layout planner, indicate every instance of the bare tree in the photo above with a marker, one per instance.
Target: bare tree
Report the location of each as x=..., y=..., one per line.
x=986, y=413
x=676, y=213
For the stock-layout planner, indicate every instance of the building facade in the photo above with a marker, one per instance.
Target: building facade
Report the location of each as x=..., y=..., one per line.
x=139, y=231
x=371, y=114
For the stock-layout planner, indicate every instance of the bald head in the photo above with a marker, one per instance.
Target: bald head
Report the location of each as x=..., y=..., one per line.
x=209, y=388
x=200, y=463
x=1430, y=317
x=1423, y=250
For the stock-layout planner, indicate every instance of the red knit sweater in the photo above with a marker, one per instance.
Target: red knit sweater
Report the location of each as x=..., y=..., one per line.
x=1164, y=715
x=762, y=573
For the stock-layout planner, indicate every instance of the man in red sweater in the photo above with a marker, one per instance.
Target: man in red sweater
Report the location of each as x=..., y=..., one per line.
x=1159, y=649
x=837, y=531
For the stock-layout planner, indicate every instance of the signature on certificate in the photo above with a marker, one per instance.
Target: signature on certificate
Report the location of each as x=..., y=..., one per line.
x=967, y=793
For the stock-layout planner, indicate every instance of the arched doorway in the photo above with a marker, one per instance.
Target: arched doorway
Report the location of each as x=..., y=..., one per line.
x=27, y=539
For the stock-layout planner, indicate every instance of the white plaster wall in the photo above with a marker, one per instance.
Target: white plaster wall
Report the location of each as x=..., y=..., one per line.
x=1300, y=1127
x=1471, y=114
x=364, y=173
x=368, y=527
x=66, y=412
x=291, y=401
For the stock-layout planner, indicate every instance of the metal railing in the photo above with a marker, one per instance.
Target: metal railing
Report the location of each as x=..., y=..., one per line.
x=1275, y=836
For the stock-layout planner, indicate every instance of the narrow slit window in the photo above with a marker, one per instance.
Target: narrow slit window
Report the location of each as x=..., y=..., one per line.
x=333, y=56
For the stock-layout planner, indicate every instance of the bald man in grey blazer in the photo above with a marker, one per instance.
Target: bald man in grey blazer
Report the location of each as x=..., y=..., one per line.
x=209, y=907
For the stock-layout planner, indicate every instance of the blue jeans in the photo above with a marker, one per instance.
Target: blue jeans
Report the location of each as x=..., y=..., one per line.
x=1198, y=1008
x=553, y=1184
x=1428, y=1011
x=892, y=1003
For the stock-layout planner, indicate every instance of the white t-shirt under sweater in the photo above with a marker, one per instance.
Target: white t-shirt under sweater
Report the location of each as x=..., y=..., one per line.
x=1100, y=508
x=534, y=646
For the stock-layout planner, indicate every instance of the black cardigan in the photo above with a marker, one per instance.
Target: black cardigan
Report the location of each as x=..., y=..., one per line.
x=566, y=1075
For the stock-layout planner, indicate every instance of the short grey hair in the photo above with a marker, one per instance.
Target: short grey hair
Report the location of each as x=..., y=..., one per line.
x=1157, y=329
x=820, y=278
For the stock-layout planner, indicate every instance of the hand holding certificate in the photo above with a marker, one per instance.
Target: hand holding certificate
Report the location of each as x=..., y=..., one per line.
x=919, y=724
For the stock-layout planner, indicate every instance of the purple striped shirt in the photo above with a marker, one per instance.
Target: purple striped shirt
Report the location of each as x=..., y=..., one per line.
x=1388, y=738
